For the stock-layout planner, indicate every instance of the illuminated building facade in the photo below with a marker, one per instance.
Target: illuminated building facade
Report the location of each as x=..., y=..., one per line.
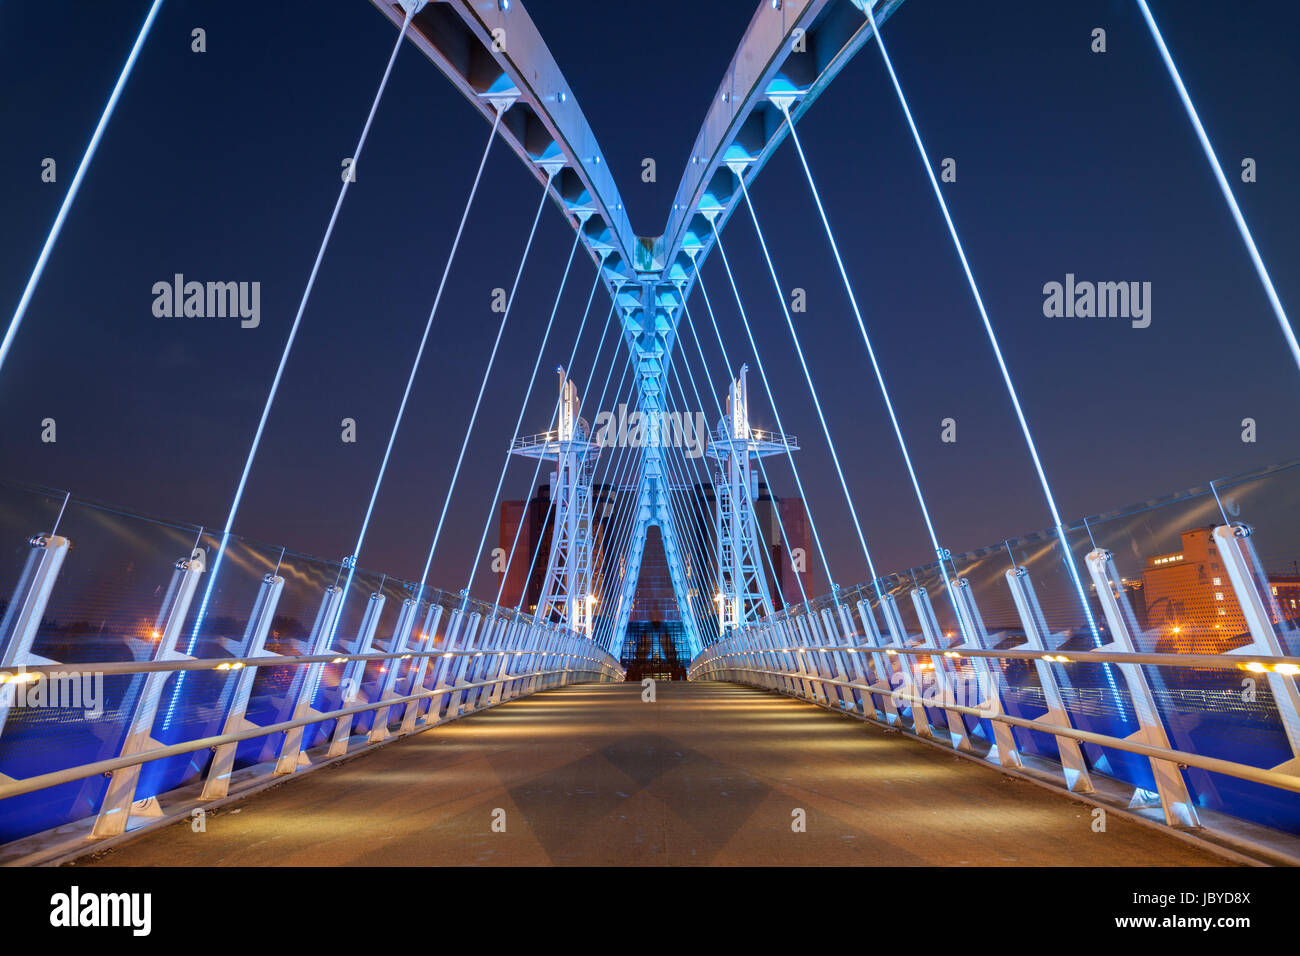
x=1188, y=598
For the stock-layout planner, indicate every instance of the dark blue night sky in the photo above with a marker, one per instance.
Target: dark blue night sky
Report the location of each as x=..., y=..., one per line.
x=225, y=166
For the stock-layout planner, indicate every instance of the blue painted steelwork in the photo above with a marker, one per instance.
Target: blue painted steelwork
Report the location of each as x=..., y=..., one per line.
x=801, y=42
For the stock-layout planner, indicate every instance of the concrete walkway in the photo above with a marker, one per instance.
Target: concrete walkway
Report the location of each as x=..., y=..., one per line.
x=709, y=774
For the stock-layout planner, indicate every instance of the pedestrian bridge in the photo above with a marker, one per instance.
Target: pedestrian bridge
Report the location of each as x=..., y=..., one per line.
x=709, y=773
x=1109, y=690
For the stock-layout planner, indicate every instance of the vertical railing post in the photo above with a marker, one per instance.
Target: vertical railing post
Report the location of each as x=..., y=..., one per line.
x=1175, y=800
x=816, y=690
x=930, y=637
x=855, y=666
x=114, y=811
x=1244, y=571
x=884, y=670
x=908, y=669
x=413, y=707
x=1004, y=751
x=321, y=633
x=388, y=687
x=835, y=658
x=461, y=663
x=488, y=664
x=1073, y=764
x=350, y=692
x=217, y=782
x=498, y=690
x=26, y=608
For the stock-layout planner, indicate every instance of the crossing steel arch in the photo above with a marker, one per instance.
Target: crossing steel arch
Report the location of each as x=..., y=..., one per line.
x=493, y=52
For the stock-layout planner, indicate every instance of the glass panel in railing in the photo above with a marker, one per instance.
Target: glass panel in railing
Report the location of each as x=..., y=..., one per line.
x=1094, y=694
x=219, y=625
x=1176, y=582
x=105, y=606
x=1268, y=502
x=25, y=512
x=361, y=620
x=276, y=689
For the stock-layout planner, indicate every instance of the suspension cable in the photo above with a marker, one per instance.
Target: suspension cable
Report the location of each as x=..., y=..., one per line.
x=460, y=458
x=866, y=340
x=284, y=358
x=1066, y=555
x=623, y=463
x=713, y=320
x=1287, y=331
x=614, y=539
x=424, y=338
x=708, y=472
x=71, y=195
x=688, y=468
x=812, y=389
x=537, y=468
x=731, y=445
x=678, y=516
x=551, y=505
x=762, y=372
x=523, y=406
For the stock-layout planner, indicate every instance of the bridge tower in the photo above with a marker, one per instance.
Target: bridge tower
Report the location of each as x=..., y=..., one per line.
x=567, y=590
x=743, y=594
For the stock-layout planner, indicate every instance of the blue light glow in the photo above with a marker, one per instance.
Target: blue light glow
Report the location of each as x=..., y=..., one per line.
x=39, y=269
x=1287, y=332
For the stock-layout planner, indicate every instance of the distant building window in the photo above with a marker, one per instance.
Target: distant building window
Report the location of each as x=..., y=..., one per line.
x=1218, y=595
x=1218, y=581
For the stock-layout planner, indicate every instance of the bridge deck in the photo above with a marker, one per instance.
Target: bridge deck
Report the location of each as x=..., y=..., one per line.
x=708, y=774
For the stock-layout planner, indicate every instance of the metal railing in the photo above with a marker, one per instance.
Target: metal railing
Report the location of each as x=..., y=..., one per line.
x=119, y=689
x=1174, y=681
x=453, y=694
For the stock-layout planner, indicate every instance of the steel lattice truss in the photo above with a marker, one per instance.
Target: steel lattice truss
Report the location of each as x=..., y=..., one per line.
x=493, y=52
